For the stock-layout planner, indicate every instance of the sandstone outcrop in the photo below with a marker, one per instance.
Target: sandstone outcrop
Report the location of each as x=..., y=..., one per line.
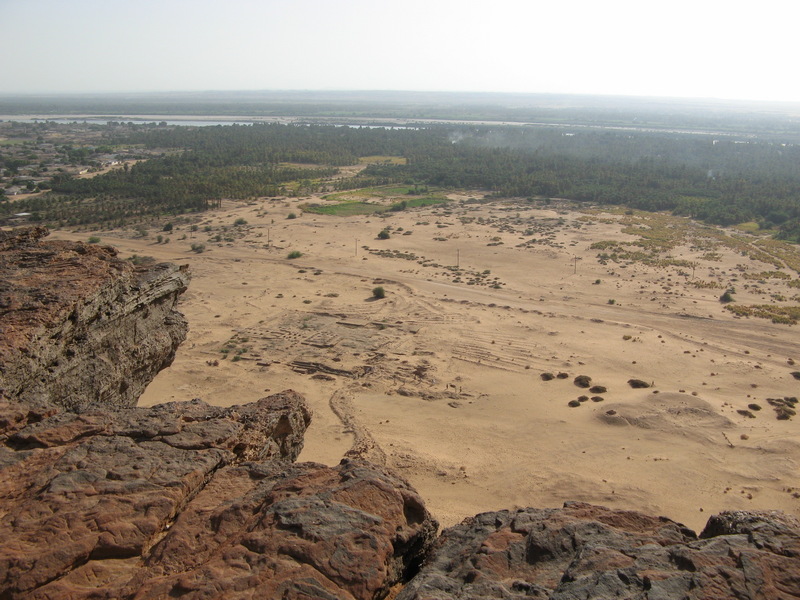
x=81, y=327
x=198, y=501
x=582, y=551
x=79, y=489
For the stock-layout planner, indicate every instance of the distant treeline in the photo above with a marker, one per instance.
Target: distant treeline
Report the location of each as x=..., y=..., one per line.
x=720, y=179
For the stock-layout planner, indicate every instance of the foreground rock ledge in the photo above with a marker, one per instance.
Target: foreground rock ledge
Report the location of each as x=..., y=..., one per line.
x=81, y=327
x=582, y=551
x=190, y=499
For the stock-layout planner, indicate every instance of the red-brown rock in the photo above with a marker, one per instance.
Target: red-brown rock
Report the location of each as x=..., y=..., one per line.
x=588, y=552
x=81, y=327
x=80, y=489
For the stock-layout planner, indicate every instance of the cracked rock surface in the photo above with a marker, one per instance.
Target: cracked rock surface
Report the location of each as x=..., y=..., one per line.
x=582, y=551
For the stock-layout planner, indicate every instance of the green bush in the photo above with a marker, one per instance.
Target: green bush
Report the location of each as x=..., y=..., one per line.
x=383, y=235
x=294, y=254
x=141, y=260
x=94, y=240
x=378, y=293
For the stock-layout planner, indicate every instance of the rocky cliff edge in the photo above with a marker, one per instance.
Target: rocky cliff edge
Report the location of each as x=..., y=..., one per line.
x=81, y=327
x=102, y=500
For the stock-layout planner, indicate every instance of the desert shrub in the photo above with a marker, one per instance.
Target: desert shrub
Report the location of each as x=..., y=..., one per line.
x=785, y=315
x=384, y=234
x=294, y=254
x=726, y=297
x=638, y=383
x=378, y=293
x=93, y=240
x=583, y=381
x=198, y=248
x=141, y=260
x=240, y=221
x=291, y=215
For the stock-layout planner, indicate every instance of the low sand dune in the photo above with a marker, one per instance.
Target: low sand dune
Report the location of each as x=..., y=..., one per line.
x=441, y=379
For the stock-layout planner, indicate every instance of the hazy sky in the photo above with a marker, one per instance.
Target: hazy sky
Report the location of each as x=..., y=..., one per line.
x=698, y=48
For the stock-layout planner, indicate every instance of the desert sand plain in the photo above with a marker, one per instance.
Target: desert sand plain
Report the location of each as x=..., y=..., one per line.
x=442, y=379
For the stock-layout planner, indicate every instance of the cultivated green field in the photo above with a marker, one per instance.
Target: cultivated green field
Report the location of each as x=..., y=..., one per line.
x=371, y=200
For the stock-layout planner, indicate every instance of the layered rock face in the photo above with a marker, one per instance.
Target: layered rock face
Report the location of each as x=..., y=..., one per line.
x=79, y=326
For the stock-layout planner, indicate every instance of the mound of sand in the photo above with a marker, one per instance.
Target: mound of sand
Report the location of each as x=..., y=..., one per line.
x=670, y=413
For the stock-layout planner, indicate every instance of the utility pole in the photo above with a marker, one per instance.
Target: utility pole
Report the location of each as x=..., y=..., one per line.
x=356, y=247
x=458, y=258
x=575, y=258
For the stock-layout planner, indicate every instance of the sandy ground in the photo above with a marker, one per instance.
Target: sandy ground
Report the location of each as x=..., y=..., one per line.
x=442, y=381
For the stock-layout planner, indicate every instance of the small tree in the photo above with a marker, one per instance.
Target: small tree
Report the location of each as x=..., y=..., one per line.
x=726, y=297
x=378, y=293
x=384, y=235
